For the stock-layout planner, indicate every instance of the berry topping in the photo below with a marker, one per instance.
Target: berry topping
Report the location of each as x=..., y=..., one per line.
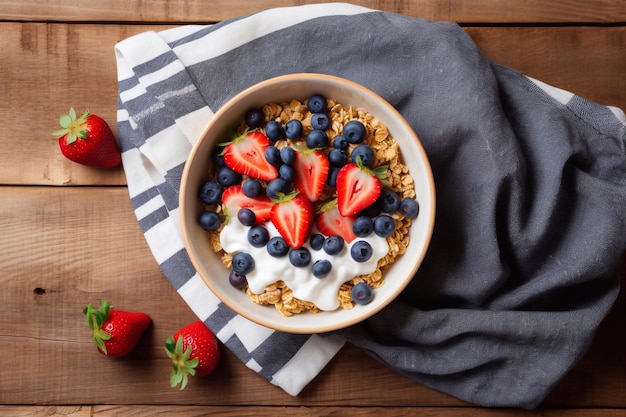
x=337, y=157
x=252, y=188
x=330, y=222
x=316, y=103
x=293, y=129
x=361, y=251
x=274, y=130
x=209, y=221
x=287, y=172
x=255, y=118
x=246, y=155
x=276, y=187
x=363, y=226
x=233, y=199
x=272, y=155
x=237, y=280
x=409, y=207
x=246, y=217
x=300, y=257
x=316, y=139
x=210, y=193
x=362, y=293
x=311, y=172
x=243, y=263
x=292, y=215
x=389, y=201
x=340, y=142
x=277, y=247
x=321, y=268
x=320, y=121
x=288, y=155
x=227, y=177
x=258, y=236
x=333, y=245
x=365, y=152
x=317, y=241
x=358, y=187
x=354, y=131
x=384, y=225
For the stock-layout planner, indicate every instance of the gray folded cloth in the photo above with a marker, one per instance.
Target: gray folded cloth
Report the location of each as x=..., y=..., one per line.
x=530, y=179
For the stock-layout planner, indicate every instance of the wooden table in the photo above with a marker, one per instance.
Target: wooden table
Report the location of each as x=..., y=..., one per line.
x=70, y=236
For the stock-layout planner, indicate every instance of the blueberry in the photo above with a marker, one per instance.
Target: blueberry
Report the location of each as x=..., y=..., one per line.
x=337, y=157
x=321, y=268
x=300, y=257
x=365, y=152
x=210, y=192
x=363, y=226
x=409, y=207
x=372, y=211
x=288, y=155
x=252, y=188
x=317, y=241
x=333, y=245
x=274, y=130
x=218, y=158
x=237, y=280
x=384, y=225
x=258, y=236
x=316, y=139
x=293, y=129
x=362, y=293
x=255, y=117
x=320, y=121
x=277, y=247
x=243, y=263
x=279, y=185
x=209, y=221
x=287, y=172
x=246, y=216
x=332, y=176
x=316, y=103
x=389, y=201
x=272, y=155
x=340, y=142
x=228, y=177
x=354, y=131
x=361, y=251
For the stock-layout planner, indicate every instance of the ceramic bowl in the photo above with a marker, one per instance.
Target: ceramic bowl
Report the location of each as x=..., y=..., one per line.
x=196, y=172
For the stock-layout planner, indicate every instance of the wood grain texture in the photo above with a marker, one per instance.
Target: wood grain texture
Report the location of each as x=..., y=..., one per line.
x=475, y=11
x=63, y=65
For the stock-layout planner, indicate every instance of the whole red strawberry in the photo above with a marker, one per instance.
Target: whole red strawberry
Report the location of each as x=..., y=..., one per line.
x=115, y=332
x=88, y=140
x=194, y=352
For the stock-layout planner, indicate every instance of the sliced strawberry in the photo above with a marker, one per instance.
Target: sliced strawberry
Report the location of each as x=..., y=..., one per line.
x=246, y=155
x=234, y=200
x=311, y=168
x=358, y=187
x=293, y=215
x=330, y=222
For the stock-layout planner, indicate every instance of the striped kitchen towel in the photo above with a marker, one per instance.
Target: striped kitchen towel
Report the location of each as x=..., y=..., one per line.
x=531, y=182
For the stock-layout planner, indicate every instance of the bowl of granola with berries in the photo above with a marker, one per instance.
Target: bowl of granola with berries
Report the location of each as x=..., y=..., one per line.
x=307, y=204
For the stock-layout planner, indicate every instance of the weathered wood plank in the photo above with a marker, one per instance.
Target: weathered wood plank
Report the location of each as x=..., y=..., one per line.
x=586, y=60
x=476, y=11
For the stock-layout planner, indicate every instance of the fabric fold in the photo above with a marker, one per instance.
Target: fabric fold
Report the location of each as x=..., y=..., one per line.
x=530, y=179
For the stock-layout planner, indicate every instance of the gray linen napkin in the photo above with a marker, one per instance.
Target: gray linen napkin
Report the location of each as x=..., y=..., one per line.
x=531, y=189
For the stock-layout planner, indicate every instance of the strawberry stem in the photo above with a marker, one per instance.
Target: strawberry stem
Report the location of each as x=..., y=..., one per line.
x=72, y=126
x=182, y=366
x=95, y=319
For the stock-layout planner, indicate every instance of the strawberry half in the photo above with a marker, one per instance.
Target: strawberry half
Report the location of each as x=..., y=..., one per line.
x=358, y=187
x=115, y=332
x=234, y=200
x=311, y=167
x=246, y=155
x=293, y=215
x=88, y=140
x=194, y=351
x=330, y=222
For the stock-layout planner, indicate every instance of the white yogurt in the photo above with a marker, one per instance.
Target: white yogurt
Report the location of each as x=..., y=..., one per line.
x=305, y=286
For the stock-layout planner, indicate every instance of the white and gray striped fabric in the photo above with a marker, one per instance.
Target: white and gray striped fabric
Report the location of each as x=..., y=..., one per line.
x=531, y=184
